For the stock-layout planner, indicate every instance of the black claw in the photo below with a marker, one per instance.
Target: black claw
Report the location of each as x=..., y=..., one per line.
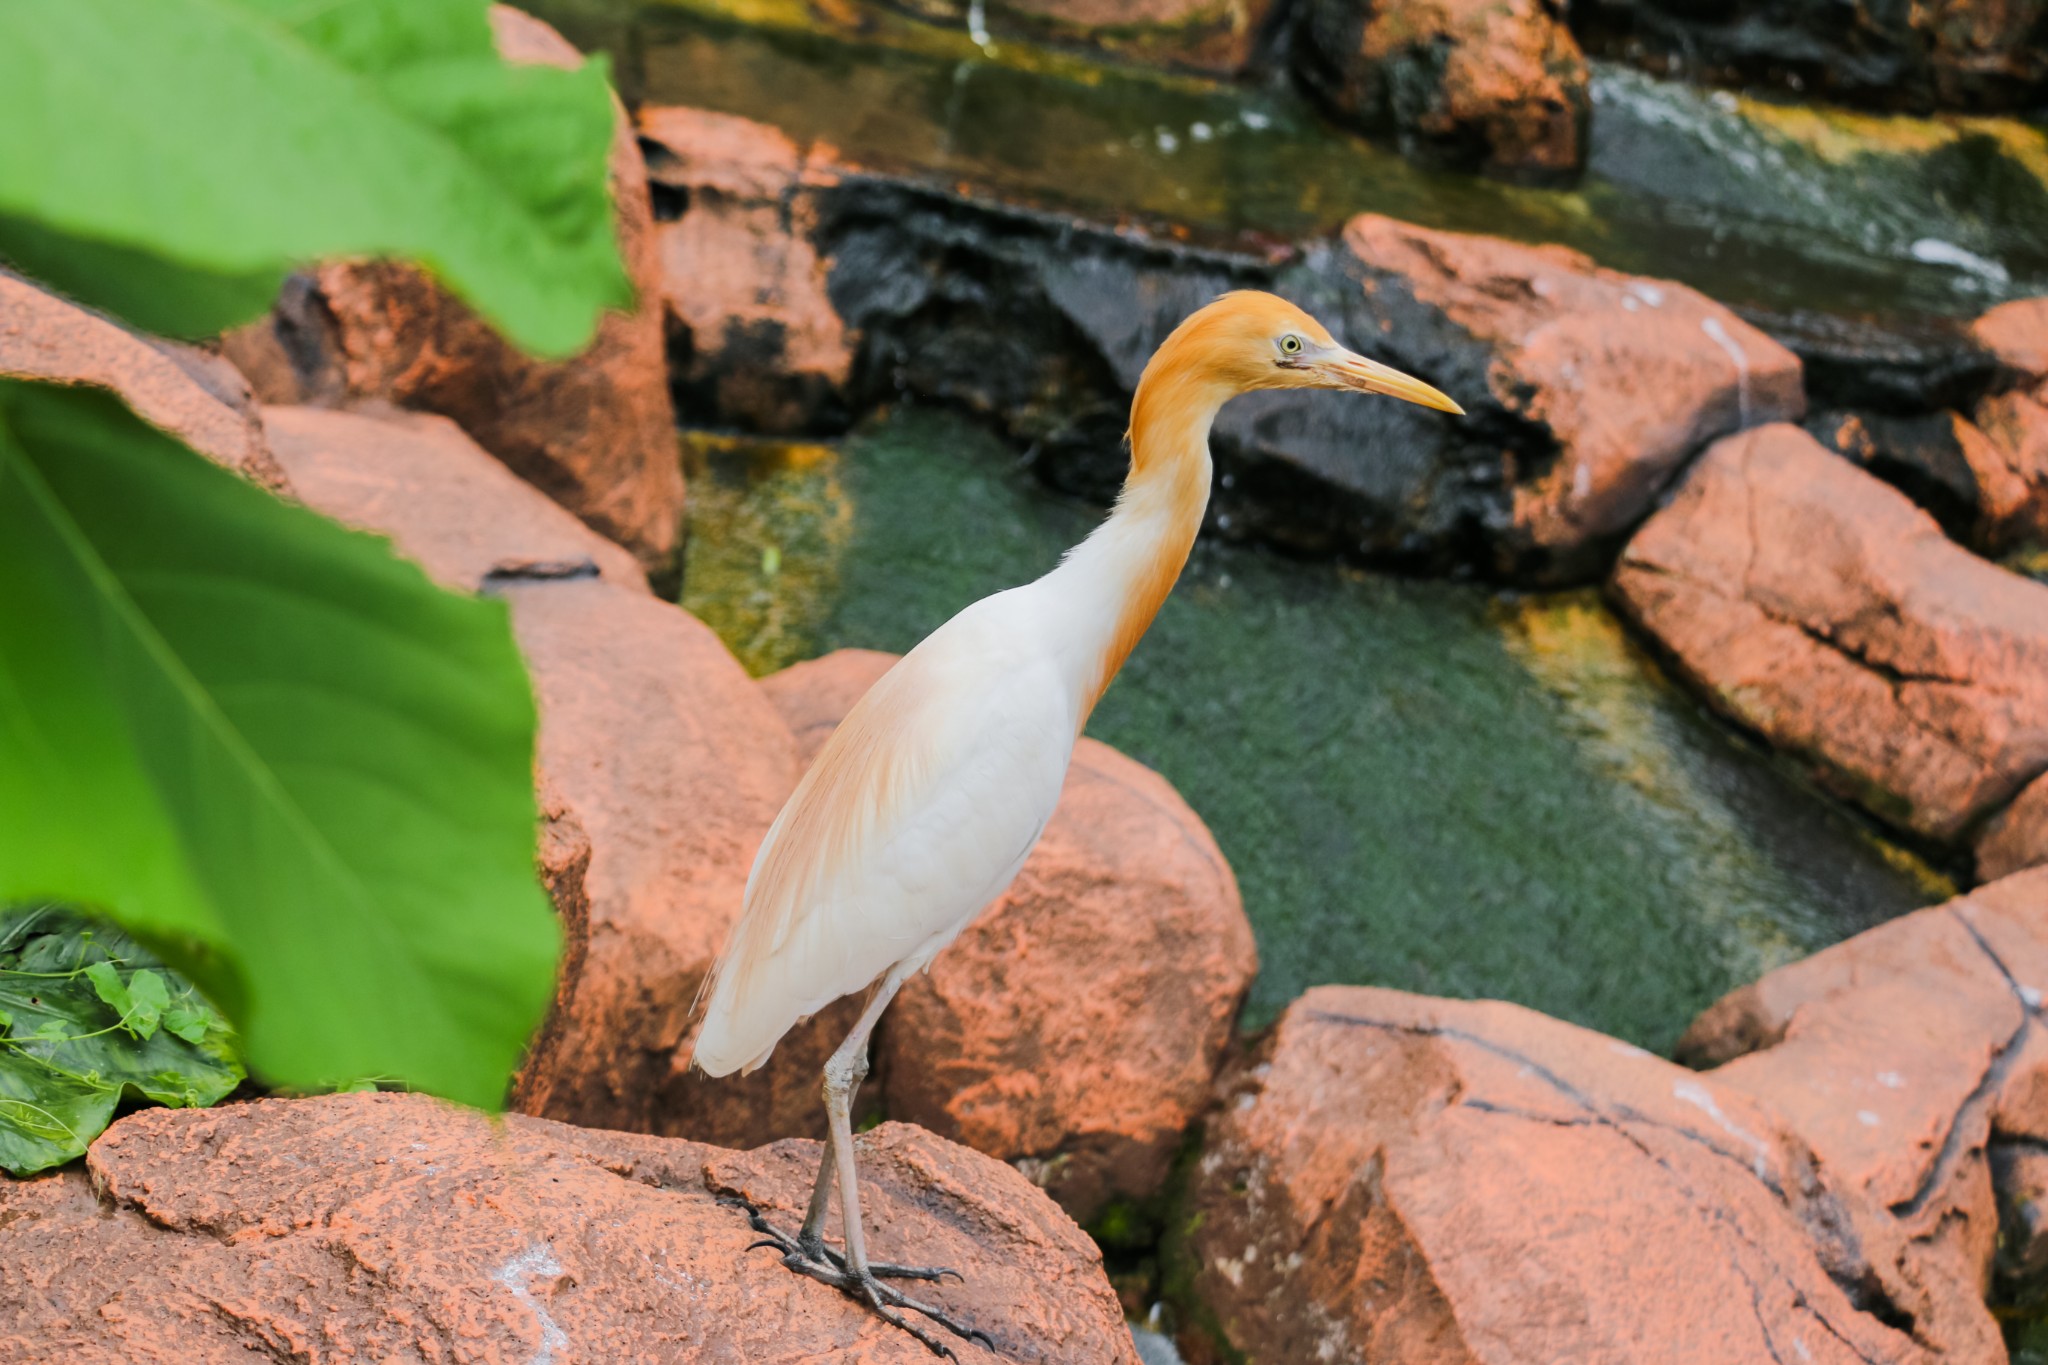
x=832, y=1270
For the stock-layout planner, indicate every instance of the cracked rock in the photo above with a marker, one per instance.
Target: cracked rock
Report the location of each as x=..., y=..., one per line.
x=1401, y=1179
x=1045, y=1034
x=1901, y=1055
x=398, y=1228
x=1818, y=606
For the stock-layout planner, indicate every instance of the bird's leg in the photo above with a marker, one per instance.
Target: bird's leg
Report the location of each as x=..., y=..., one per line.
x=853, y=1272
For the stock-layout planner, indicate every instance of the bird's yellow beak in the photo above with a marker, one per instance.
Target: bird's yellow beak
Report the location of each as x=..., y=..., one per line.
x=1352, y=371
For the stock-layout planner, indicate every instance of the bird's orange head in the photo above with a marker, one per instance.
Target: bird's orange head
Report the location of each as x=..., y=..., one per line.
x=1250, y=340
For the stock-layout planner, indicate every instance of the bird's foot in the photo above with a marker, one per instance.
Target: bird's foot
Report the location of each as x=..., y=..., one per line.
x=821, y=1263
x=817, y=1252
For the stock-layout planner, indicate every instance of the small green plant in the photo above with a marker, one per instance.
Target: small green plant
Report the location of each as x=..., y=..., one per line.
x=87, y=1015
x=266, y=747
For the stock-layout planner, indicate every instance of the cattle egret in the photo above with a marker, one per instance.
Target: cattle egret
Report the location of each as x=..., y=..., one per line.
x=924, y=803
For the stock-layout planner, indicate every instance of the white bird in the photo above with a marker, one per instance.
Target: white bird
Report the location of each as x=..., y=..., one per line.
x=923, y=805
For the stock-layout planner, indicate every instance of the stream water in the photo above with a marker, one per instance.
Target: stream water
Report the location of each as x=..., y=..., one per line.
x=1420, y=784
x=1774, y=208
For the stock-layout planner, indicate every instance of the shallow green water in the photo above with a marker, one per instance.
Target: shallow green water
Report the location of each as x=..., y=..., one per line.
x=1419, y=784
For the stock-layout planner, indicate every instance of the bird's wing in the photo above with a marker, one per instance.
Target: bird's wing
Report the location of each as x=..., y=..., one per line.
x=916, y=814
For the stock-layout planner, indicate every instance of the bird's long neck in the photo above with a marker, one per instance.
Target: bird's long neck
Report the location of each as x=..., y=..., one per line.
x=1114, y=582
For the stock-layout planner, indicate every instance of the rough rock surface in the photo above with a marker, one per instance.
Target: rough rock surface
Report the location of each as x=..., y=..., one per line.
x=194, y=396
x=1907, y=1057
x=415, y=477
x=675, y=766
x=1820, y=607
x=2010, y=463
x=1947, y=54
x=595, y=432
x=1047, y=1034
x=1474, y=84
x=753, y=338
x=1399, y=1179
x=2017, y=837
x=1218, y=36
x=396, y=1228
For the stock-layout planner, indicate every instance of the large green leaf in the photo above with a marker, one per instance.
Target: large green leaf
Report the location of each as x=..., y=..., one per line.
x=86, y=1015
x=270, y=748
x=157, y=150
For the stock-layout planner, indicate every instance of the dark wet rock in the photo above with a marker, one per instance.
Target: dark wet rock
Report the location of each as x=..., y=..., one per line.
x=1467, y=84
x=1903, y=366
x=1219, y=36
x=1818, y=606
x=1913, y=1058
x=595, y=432
x=197, y=397
x=1959, y=54
x=1401, y=1179
x=399, y=1228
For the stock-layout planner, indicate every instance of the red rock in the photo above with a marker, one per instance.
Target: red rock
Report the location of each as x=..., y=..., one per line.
x=1818, y=606
x=675, y=766
x=1498, y=85
x=1902, y=1054
x=596, y=432
x=196, y=397
x=1399, y=1179
x=444, y=503
x=395, y=1227
x=1045, y=1035
x=2010, y=462
x=2017, y=837
x=1631, y=376
x=2017, y=334
x=760, y=344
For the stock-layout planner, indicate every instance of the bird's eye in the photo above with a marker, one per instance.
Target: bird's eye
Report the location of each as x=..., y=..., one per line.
x=1290, y=344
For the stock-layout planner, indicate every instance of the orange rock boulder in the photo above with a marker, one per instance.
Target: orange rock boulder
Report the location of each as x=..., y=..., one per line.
x=1429, y=1182
x=1074, y=1029
x=1475, y=84
x=398, y=1228
x=1625, y=378
x=596, y=432
x=756, y=341
x=1821, y=608
x=194, y=396
x=1913, y=1060
x=2016, y=334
